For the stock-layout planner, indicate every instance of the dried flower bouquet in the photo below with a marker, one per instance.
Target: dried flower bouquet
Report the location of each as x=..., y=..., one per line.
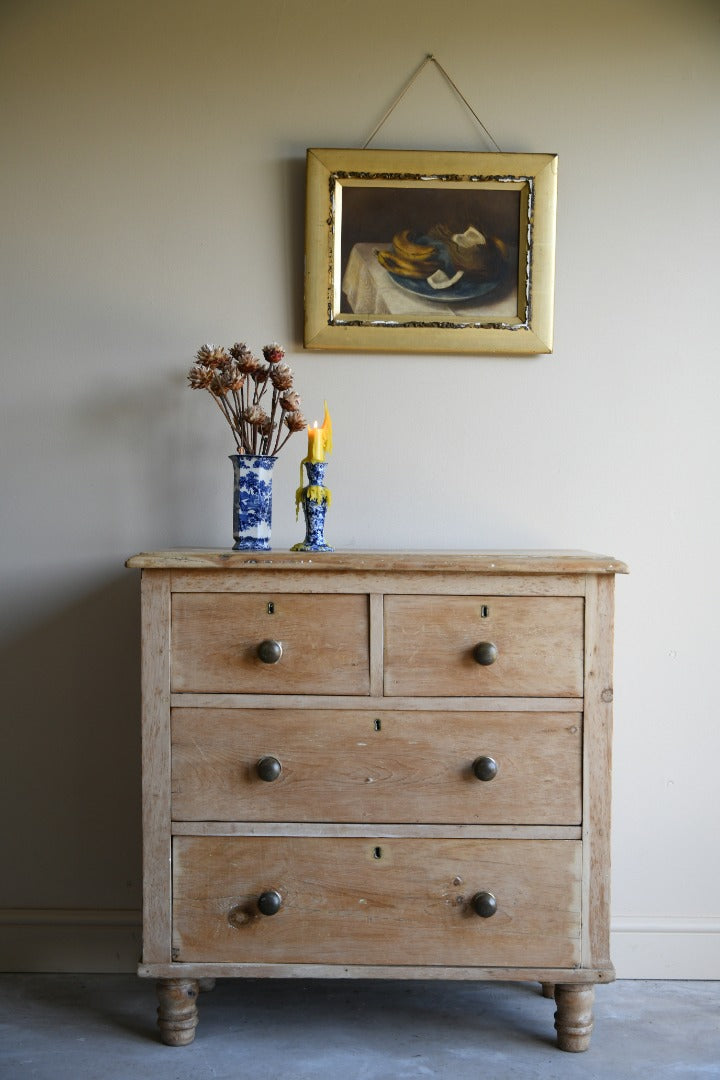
x=238, y=382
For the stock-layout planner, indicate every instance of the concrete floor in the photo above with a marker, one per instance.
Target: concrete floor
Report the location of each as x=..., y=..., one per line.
x=98, y=1027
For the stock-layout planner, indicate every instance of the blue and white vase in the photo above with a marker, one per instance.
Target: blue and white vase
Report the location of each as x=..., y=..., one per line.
x=315, y=499
x=252, y=501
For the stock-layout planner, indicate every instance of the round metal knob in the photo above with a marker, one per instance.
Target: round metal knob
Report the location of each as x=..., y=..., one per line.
x=484, y=904
x=485, y=768
x=269, y=769
x=269, y=902
x=485, y=653
x=269, y=651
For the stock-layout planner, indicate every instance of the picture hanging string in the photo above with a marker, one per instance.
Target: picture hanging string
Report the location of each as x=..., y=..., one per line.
x=410, y=82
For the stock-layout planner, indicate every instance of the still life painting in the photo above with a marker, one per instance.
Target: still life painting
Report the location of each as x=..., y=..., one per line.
x=429, y=252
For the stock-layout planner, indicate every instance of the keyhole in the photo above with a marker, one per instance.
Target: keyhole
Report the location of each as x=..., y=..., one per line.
x=484, y=611
x=378, y=725
x=377, y=853
x=271, y=608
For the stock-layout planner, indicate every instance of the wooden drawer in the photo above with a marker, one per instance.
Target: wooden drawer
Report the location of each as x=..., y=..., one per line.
x=364, y=901
x=387, y=767
x=430, y=642
x=325, y=642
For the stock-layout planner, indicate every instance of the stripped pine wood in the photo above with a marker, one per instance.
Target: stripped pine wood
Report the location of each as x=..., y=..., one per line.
x=402, y=972
x=305, y=580
x=155, y=680
x=363, y=766
x=325, y=643
x=429, y=643
x=597, y=769
x=372, y=824
x=497, y=562
x=349, y=900
x=419, y=704
x=377, y=829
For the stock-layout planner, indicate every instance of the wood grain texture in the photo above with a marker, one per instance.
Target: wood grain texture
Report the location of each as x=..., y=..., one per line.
x=344, y=903
x=574, y=1016
x=377, y=630
x=377, y=829
x=365, y=766
x=599, y=695
x=429, y=642
x=406, y=582
x=376, y=711
x=339, y=701
x=325, y=641
x=493, y=562
x=400, y=972
x=177, y=1010
x=155, y=683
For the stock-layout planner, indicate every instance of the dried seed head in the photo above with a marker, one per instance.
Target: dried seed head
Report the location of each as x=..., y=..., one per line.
x=281, y=376
x=260, y=374
x=200, y=377
x=211, y=355
x=295, y=421
x=256, y=416
x=290, y=402
x=273, y=353
x=239, y=350
x=234, y=379
x=247, y=363
x=218, y=383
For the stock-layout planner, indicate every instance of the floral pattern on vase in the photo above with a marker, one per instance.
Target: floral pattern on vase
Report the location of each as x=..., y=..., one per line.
x=315, y=499
x=252, y=501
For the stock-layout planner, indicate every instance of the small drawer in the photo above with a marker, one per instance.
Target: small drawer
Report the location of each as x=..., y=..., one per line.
x=495, y=646
x=359, y=766
x=216, y=639
x=350, y=900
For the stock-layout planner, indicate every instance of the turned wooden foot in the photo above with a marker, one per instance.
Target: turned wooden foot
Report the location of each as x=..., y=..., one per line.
x=548, y=990
x=574, y=1017
x=177, y=1010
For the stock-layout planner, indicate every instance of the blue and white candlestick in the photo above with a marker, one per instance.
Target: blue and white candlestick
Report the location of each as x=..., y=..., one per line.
x=315, y=499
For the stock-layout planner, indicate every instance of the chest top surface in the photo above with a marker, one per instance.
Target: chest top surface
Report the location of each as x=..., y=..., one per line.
x=494, y=562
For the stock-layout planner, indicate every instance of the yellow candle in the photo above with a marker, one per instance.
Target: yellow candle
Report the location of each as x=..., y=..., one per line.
x=316, y=448
x=320, y=438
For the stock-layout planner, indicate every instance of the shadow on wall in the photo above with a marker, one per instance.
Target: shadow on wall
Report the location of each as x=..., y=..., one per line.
x=71, y=750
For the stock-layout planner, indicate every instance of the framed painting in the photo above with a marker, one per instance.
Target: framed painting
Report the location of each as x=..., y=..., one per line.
x=423, y=251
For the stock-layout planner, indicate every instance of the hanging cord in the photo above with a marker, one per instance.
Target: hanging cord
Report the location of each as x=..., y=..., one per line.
x=407, y=86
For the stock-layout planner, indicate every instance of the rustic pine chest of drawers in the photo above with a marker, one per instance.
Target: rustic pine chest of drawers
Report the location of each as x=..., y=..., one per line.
x=377, y=765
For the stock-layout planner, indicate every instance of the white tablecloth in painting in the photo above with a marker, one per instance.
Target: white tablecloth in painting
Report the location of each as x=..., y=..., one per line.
x=371, y=291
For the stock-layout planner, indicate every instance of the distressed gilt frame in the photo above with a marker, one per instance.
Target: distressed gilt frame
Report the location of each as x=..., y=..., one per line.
x=526, y=330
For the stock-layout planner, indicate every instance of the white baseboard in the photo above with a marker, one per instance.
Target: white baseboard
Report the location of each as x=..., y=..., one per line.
x=75, y=940
x=648, y=947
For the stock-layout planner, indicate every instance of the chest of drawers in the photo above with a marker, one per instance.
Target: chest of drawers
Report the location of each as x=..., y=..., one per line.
x=377, y=765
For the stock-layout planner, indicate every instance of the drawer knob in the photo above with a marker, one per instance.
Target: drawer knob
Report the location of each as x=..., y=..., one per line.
x=485, y=768
x=485, y=653
x=269, y=769
x=484, y=904
x=269, y=651
x=269, y=902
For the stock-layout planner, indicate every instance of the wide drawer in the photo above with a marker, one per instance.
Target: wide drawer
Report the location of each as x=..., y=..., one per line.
x=358, y=766
x=324, y=639
x=359, y=901
x=430, y=646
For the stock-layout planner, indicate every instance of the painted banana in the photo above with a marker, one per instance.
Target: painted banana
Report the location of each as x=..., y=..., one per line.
x=414, y=268
x=405, y=248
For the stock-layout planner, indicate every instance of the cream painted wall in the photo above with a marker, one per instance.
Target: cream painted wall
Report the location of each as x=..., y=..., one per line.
x=152, y=194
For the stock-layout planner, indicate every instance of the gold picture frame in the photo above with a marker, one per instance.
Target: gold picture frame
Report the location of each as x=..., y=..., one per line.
x=430, y=251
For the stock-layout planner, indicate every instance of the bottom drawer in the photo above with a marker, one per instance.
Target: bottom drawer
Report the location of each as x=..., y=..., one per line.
x=350, y=900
